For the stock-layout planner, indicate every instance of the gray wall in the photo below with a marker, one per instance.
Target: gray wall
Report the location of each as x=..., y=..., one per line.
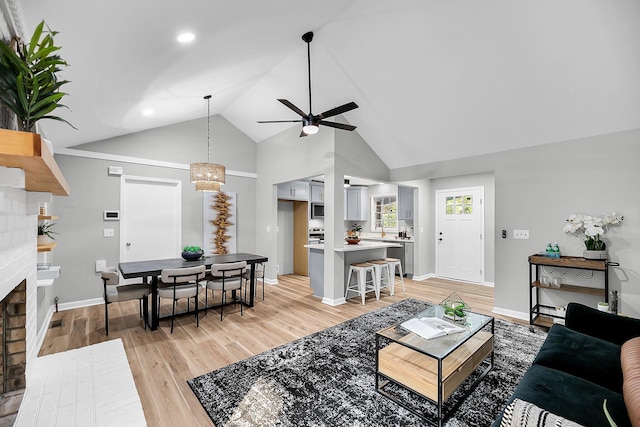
x=80, y=225
x=537, y=188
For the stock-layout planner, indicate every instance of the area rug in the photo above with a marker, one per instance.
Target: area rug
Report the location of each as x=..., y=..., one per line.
x=328, y=379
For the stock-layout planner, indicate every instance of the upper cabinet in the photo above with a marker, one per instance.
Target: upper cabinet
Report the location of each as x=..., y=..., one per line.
x=317, y=192
x=294, y=190
x=405, y=203
x=356, y=207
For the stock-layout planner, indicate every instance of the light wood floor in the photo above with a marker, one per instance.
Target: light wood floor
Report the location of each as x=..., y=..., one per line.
x=161, y=363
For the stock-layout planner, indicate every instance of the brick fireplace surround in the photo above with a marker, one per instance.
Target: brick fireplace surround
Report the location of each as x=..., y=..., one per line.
x=18, y=281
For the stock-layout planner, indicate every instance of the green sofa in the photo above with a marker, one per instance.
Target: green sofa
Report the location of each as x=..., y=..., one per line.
x=577, y=368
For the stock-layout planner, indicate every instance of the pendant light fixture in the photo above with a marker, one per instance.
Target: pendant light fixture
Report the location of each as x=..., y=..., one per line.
x=207, y=176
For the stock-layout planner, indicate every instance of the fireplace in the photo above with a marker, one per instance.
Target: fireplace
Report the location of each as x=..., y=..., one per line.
x=18, y=286
x=14, y=346
x=13, y=352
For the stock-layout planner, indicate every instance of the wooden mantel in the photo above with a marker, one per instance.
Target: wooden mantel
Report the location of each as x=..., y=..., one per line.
x=26, y=151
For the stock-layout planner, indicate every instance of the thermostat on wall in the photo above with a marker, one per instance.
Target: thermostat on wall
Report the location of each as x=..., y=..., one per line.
x=111, y=215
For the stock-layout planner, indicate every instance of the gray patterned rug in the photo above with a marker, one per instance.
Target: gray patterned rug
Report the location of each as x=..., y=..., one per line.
x=328, y=379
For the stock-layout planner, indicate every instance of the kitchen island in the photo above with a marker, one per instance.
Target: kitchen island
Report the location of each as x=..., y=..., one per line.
x=350, y=254
x=404, y=253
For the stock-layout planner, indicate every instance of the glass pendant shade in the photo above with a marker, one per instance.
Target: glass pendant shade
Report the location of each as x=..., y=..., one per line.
x=207, y=172
x=208, y=186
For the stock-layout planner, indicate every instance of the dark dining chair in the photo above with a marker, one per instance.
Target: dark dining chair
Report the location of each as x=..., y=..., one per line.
x=115, y=292
x=226, y=277
x=178, y=283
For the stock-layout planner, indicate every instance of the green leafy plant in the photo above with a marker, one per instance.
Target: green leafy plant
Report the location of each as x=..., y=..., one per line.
x=192, y=248
x=46, y=229
x=29, y=85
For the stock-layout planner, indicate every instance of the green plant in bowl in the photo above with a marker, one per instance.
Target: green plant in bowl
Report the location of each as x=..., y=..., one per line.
x=192, y=253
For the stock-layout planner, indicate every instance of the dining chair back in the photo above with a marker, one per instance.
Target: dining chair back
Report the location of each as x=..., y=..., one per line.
x=178, y=283
x=226, y=277
x=113, y=291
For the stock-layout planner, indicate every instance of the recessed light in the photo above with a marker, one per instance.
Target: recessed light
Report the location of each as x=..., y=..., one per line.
x=147, y=112
x=186, y=37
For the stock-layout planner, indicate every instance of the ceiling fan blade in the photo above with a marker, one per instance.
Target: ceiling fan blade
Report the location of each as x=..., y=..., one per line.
x=278, y=121
x=337, y=125
x=338, y=110
x=293, y=107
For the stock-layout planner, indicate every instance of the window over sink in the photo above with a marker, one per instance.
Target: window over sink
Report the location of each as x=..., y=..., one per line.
x=384, y=213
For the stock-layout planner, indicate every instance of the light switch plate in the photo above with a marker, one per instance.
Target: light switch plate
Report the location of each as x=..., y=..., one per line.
x=521, y=234
x=109, y=232
x=101, y=265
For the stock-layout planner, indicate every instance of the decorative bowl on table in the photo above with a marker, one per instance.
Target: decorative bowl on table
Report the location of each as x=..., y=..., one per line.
x=192, y=253
x=352, y=241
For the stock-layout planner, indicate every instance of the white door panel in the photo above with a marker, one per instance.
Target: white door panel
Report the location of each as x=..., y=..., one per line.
x=459, y=228
x=150, y=218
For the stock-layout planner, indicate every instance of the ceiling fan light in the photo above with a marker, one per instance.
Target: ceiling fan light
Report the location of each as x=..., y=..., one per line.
x=310, y=129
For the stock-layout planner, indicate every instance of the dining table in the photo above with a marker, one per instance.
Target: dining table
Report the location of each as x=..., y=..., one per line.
x=150, y=270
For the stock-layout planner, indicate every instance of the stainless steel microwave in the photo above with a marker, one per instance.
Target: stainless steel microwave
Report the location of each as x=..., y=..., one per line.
x=317, y=210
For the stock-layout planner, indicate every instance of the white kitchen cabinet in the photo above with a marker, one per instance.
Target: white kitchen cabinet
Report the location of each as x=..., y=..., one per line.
x=294, y=190
x=405, y=203
x=317, y=193
x=356, y=206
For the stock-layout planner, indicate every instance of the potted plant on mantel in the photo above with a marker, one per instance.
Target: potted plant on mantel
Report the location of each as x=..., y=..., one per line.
x=29, y=84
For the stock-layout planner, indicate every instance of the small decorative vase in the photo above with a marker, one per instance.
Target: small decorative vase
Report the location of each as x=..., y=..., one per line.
x=591, y=254
x=42, y=239
x=192, y=256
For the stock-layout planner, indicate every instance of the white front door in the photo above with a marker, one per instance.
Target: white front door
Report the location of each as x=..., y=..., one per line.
x=459, y=234
x=151, y=218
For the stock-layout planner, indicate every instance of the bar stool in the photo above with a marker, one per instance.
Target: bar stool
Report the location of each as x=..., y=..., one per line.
x=362, y=285
x=393, y=264
x=384, y=281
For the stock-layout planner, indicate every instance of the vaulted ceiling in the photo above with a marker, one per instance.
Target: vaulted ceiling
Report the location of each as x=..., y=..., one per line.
x=434, y=79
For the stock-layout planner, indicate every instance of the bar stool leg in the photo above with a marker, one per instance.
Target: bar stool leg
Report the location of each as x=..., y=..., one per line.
x=362, y=282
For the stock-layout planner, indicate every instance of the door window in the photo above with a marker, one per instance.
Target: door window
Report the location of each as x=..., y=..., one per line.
x=459, y=205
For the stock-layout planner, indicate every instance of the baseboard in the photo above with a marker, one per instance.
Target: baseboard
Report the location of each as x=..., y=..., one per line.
x=334, y=302
x=271, y=281
x=423, y=277
x=511, y=313
x=490, y=284
x=79, y=304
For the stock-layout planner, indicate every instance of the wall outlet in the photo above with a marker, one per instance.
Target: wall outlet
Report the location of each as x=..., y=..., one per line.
x=520, y=234
x=277, y=268
x=109, y=232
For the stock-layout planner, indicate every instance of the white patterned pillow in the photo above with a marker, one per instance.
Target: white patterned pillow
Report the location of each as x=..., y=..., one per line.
x=524, y=414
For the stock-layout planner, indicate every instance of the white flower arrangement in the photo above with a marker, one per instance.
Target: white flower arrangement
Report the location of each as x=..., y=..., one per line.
x=592, y=227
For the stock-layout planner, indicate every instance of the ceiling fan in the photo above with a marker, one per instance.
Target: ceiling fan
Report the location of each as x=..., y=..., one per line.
x=310, y=122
